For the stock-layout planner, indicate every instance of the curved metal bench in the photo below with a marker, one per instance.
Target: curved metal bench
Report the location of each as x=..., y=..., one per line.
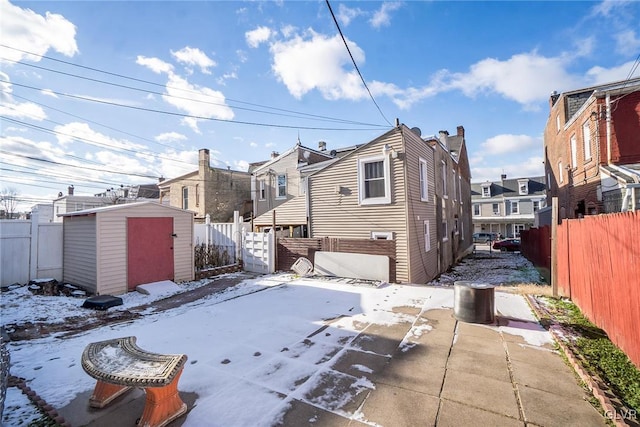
x=120, y=365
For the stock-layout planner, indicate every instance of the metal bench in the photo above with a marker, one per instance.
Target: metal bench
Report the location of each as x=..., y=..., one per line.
x=119, y=365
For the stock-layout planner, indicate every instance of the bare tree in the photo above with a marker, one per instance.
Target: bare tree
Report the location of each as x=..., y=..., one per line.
x=8, y=201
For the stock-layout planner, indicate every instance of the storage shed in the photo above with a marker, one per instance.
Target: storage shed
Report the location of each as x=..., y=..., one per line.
x=112, y=249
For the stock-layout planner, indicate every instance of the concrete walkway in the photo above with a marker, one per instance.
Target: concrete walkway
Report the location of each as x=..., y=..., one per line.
x=457, y=374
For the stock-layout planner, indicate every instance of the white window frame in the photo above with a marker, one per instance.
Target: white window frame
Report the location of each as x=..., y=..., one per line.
x=586, y=140
x=263, y=193
x=424, y=180
x=185, y=197
x=517, y=228
x=574, y=151
x=455, y=187
x=460, y=188
x=536, y=208
x=561, y=177
x=476, y=206
x=515, y=207
x=382, y=235
x=496, y=211
x=427, y=236
x=445, y=226
x=387, y=181
x=278, y=195
x=444, y=180
x=558, y=123
x=486, y=191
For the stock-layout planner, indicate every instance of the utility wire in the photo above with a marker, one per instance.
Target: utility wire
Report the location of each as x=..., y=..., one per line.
x=315, y=116
x=354, y=62
x=170, y=113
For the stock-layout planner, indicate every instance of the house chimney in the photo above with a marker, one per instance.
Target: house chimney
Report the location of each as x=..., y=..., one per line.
x=161, y=179
x=322, y=146
x=274, y=154
x=70, y=190
x=554, y=97
x=503, y=176
x=460, y=130
x=203, y=160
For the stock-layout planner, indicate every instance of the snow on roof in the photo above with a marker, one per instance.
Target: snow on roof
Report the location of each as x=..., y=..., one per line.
x=118, y=207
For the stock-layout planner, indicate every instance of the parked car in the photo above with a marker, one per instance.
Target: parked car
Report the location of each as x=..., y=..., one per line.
x=507, y=245
x=484, y=237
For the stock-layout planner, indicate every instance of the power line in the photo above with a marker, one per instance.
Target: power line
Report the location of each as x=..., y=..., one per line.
x=297, y=113
x=170, y=113
x=354, y=62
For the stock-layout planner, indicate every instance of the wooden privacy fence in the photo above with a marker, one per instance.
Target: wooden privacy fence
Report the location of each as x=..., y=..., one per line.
x=290, y=249
x=599, y=269
x=535, y=245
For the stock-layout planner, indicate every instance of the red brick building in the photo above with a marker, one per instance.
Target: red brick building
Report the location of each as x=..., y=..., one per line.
x=592, y=149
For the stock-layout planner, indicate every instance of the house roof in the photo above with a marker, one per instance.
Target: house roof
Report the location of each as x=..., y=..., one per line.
x=289, y=151
x=291, y=212
x=118, y=207
x=629, y=174
x=510, y=187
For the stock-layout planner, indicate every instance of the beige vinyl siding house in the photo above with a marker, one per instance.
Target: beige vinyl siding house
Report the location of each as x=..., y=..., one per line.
x=96, y=245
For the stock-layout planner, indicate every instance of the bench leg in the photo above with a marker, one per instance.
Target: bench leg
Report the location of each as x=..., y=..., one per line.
x=163, y=405
x=104, y=393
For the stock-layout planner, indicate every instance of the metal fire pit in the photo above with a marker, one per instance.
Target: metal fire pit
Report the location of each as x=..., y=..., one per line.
x=473, y=302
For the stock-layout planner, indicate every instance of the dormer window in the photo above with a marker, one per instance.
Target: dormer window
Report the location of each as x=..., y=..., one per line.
x=486, y=189
x=523, y=187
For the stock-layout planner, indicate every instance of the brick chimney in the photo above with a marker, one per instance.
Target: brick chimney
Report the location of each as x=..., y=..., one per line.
x=274, y=154
x=203, y=160
x=503, y=176
x=554, y=97
x=70, y=190
x=460, y=131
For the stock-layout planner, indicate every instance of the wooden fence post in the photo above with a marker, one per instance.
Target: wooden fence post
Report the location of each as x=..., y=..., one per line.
x=554, y=246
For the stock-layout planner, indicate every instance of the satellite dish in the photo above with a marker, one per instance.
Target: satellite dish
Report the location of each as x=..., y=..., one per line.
x=333, y=152
x=417, y=131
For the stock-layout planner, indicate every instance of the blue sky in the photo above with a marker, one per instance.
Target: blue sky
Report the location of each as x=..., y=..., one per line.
x=110, y=93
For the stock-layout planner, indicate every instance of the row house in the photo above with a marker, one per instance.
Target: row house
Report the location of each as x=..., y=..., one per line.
x=592, y=149
x=209, y=191
x=403, y=187
x=508, y=206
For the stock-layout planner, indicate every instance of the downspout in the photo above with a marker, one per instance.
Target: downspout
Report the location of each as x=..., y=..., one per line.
x=608, y=106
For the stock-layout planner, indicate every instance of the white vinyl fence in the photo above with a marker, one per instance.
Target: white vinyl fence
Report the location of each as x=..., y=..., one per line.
x=226, y=236
x=29, y=250
x=258, y=252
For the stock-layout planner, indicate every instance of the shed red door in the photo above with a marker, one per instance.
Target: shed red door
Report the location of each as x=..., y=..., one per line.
x=149, y=250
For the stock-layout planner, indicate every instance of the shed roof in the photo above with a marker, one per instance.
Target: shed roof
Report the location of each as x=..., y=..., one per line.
x=118, y=207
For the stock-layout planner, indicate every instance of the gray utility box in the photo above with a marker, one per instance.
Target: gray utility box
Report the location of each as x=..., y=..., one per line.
x=473, y=302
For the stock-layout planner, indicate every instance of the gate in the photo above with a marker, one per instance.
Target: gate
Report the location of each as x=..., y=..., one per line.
x=258, y=252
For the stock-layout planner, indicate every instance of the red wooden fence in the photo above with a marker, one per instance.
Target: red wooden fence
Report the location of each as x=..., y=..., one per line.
x=599, y=269
x=535, y=245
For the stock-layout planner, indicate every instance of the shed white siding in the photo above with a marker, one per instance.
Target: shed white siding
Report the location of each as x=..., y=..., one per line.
x=335, y=211
x=79, y=251
x=106, y=241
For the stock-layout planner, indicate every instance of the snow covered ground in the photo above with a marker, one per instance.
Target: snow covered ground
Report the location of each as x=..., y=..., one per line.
x=249, y=348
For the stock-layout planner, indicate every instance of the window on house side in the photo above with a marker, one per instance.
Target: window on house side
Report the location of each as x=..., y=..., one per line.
x=282, y=186
x=455, y=187
x=496, y=209
x=460, y=187
x=586, y=139
x=427, y=237
x=262, y=191
x=558, y=123
x=536, y=205
x=197, y=194
x=486, y=191
x=444, y=180
x=476, y=209
x=560, y=176
x=374, y=186
x=445, y=230
x=515, y=207
x=424, y=190
x=185, y=197
x=574, y=152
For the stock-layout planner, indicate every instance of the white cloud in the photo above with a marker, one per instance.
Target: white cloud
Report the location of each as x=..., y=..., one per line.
x=507, y=143
x=11, y=108
x=242, y=55
x=606, y=7
x=347, y=14
x=170, y=137
x=156, y=65
x=288, y=30
x=601, y=75
x=531, y=166
x=28, y=31
x=627, y=42
x=83, y=134
x=259, y=35
x=241, y=165
x=270, y=144
x=382, y=18
x=253, y=144
x=318, y=63
x=222, y=80
x=194, y=57
x=48, y=92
